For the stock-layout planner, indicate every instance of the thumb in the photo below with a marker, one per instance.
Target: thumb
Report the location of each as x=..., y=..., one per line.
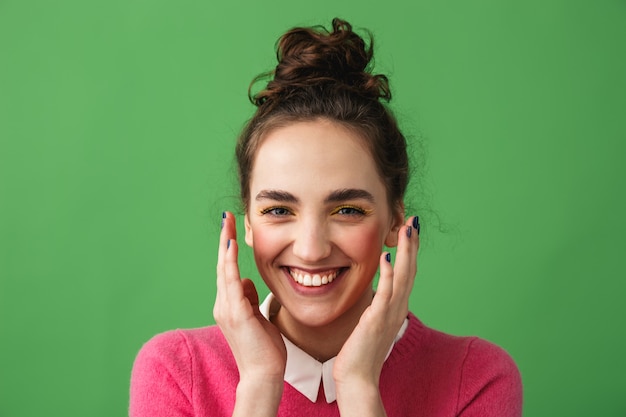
x=250, y=292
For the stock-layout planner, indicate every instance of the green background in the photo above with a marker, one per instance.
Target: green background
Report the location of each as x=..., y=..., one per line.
x=117, y=125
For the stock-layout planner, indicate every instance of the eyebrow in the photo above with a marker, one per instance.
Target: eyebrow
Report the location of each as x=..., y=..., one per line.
x=334, y=197
x=276, y=195
x=349, y=194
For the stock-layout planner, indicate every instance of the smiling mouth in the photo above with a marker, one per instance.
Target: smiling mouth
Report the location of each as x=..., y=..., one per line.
x=313, y=280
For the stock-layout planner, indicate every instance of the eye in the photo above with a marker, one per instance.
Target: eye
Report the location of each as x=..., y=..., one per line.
x=348, y=210
x=276, y=211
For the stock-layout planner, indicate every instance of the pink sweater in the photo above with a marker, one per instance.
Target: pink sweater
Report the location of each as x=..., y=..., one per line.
x=428, y=374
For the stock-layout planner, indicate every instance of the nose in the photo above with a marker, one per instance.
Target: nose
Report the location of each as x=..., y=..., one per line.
x=311, y=243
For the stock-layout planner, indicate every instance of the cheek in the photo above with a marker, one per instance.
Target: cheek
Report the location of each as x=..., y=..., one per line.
x=365, y=244
x=266, y=246
x=261, y=243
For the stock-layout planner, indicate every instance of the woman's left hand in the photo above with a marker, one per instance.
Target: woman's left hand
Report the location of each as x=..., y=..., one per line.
x=359, y=363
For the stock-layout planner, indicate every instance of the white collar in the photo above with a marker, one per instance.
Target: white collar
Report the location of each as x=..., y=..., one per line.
x=304, y=372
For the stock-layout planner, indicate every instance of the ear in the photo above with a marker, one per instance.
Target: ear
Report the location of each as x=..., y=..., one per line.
x=391, y=240
x=246, y=221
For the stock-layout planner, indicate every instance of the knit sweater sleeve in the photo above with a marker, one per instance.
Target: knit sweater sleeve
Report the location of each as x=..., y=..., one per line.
x=161, y=378
x=490, y=383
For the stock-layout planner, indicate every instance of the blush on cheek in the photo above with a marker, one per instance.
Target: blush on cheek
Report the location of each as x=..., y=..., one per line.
x=262, y=246
x=364, y=246
x=367, y=241
x=266, y=247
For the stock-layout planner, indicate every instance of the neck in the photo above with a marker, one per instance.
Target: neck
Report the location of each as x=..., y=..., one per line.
x=322, y=342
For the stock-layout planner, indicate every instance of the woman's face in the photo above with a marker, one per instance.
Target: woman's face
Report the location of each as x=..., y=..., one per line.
x=317, y=221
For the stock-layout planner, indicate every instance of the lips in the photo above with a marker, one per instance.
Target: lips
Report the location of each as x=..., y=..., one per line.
x=316, y=279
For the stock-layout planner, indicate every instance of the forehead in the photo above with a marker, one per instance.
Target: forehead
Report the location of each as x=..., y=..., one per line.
x=314, y=157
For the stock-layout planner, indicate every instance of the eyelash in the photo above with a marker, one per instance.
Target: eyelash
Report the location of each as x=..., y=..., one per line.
x=272, y=211
x=357, y=211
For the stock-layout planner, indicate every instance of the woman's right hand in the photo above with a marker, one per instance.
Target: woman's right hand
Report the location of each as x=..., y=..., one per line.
x=255, y=342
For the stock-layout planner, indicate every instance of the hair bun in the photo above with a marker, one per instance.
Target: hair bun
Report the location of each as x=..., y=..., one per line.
x=315, y=57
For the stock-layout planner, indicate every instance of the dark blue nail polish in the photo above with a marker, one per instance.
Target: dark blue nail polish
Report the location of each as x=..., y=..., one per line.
x=416, y=224
x=388, y=257
x=223, y=215
x=409, y=230
x=228, y=244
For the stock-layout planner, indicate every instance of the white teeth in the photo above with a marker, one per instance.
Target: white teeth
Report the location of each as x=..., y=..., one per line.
x=315, y=280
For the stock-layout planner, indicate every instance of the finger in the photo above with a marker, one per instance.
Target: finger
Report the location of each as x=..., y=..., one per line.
x=229, y=297
x=406, y=259
x=221, y=252
x=227, y=233
x=384, y=290
x=219, y=270
x=232, y=280
x=251, y=294
x=232, y=305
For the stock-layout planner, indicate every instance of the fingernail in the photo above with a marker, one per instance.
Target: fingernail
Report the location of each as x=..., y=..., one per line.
x=409, y=230
x=228, y=244
x=416, y=224
x=223, y=217
x=388, y=257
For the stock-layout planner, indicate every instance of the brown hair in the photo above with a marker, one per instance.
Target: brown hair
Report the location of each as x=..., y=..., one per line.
x=323, y=74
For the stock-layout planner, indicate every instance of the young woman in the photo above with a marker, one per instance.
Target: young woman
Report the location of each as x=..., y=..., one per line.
x=323, y=169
